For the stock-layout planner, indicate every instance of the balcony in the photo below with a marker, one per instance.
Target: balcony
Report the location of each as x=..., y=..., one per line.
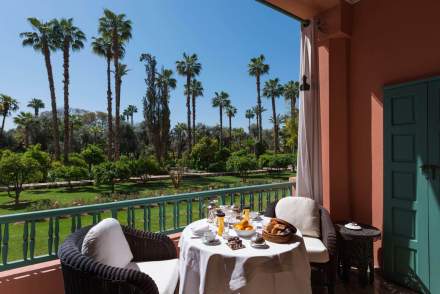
x=30, y=241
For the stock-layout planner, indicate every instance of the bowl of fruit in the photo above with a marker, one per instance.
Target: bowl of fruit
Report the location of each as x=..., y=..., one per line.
x=244, y=229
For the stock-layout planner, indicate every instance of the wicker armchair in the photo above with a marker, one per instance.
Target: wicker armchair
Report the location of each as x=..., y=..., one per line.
x=86, y=276
x=323, y=274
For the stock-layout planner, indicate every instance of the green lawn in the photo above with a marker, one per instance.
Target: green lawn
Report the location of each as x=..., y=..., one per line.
x=89, y=194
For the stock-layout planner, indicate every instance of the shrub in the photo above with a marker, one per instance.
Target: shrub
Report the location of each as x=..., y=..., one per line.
x=17, y=169
x=144, y=167
x=92, y=155
x=241, y=164
x=68, y=173
x=202, y=154
x=108, y=172
x=76, y=159
x=43, y=159
x=259, y=148
x=276, y=161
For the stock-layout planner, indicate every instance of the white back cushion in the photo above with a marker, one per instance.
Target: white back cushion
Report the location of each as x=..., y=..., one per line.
x=301, y=212
x=105, y=242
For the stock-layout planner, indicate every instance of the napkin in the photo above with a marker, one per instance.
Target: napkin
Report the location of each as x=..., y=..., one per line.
x=200, y=229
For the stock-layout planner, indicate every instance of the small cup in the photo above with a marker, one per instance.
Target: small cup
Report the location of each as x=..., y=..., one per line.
x=208, y=236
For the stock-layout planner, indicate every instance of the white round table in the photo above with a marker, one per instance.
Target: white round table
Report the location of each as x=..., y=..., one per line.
x=282, y=268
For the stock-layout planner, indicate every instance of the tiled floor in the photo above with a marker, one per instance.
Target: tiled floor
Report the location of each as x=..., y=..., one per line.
x=380, y=286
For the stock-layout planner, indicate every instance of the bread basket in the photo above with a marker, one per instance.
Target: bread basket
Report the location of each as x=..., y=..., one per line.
x=282, y=239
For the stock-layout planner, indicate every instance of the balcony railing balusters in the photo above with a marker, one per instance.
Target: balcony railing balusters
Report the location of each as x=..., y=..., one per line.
x=260, y=201
x=32, y=241
x=25, y=240
x=50, y=237
x=5, y=244
x=57, y=234
x=10, y=258
x=175, y=213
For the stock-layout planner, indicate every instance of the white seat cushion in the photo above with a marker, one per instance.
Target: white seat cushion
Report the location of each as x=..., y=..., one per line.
x=105, y=242
x=165, y=273
x=316, y=250
x=301, y=212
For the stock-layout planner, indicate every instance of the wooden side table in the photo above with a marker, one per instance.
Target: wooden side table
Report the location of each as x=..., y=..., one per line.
x=355, y=248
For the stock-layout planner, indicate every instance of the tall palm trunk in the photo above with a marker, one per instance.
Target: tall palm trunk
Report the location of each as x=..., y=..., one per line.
x=230, y=131
x=275, y=126
x=221, y=126
x=131, y=118
x=117, y=94
x=109, y=113
x=292, y=107
x=53, y=99
x=194, y=119
x=260, y=129
x=36, y=111
x=71, y=136
x=188, y=110
x=66, y=102
x=249, y=126
x=5, y=111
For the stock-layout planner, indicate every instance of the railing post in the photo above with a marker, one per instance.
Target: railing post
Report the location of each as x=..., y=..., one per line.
x=50, y=236
x=32, y=240
x=57, y=234
x=25, y=240
x=5, y=243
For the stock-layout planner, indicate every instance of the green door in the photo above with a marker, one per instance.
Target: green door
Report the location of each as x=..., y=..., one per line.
x=434, y=187
x=406, y=242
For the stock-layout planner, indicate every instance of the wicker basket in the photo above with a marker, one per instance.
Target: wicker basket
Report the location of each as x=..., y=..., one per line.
x=282, y=239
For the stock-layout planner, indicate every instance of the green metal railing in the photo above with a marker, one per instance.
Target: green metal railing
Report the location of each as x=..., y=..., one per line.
x=32, y=237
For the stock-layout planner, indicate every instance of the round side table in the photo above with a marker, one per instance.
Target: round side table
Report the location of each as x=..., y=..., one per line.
x=356, y=249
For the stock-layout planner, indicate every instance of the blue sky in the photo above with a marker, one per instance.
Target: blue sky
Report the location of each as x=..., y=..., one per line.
x=224, y=33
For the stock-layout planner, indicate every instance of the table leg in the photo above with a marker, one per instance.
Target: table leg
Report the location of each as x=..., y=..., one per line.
x=371, y=272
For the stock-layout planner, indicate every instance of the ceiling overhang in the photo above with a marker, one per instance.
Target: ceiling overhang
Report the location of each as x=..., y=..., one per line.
x=303, y=9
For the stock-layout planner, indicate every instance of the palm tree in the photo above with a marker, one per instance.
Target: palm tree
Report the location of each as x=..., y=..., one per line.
x=272, y=90
x=102, y=46
x=250, y=114
x=7, y=106
x=118, y=29
x=257, y=68
x=231, y=111
x=43, y=39
x=75, y=122
x=221, y=100
x=291, y=93
x=69, y=37
x=24, y=120
x=179, y=132
x=36, y=104
x=130, y=111
x=196, y=90
x=122, y=71
x=166, y=83
x=188, y=67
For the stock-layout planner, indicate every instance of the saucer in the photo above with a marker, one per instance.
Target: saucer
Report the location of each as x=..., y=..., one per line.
x=353, y=226
x=259, y=246
x=214, y=242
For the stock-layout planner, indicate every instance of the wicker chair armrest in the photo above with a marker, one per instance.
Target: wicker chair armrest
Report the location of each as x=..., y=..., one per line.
x=328, y=233
x=84, y=275
x=147, y=246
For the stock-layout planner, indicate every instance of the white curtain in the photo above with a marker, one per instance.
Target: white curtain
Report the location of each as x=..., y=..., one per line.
x=309, y=173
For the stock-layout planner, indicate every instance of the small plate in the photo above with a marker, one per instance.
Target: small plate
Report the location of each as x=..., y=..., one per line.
x=353, y=226
x=214, y=242
x=259, y=246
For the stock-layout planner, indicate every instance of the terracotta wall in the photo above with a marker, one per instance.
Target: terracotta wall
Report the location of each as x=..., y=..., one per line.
x=389, y=42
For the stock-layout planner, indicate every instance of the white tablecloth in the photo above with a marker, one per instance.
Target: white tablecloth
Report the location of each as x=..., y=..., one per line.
x=283, y=268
